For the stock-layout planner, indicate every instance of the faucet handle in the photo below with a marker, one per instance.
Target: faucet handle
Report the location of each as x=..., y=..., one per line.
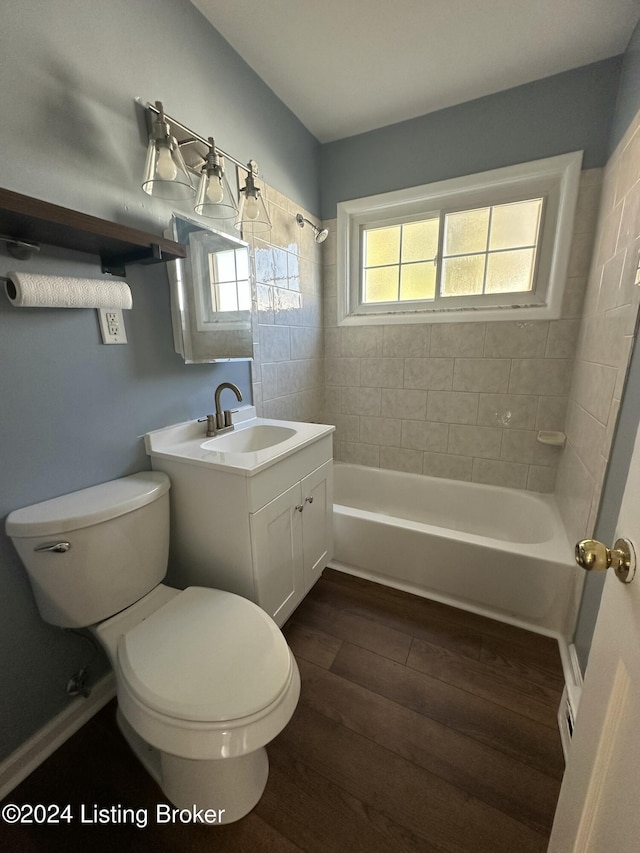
x=228, y=422
x=211, y=424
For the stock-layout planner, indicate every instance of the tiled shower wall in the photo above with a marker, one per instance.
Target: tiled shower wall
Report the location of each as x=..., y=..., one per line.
x=458, y=400
x=605, y=341
x=287, y=371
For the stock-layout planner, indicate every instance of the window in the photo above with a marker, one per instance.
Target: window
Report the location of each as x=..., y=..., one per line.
x=474, y=248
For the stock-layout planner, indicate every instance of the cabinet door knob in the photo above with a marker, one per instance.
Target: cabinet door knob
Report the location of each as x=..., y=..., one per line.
x=300, y=507
x=308, y=500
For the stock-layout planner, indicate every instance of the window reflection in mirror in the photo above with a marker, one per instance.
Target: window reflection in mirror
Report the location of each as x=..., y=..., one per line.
x=210, y=295
x=229, y=279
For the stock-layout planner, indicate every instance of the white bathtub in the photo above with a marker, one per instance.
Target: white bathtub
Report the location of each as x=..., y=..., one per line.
x=497, y=551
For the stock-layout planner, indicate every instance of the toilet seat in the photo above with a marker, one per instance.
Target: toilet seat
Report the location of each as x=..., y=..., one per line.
x=186, y=701
x=207, y=655
x=210, y=740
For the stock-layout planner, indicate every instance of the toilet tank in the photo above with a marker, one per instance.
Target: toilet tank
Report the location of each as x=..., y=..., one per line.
x=107, y=547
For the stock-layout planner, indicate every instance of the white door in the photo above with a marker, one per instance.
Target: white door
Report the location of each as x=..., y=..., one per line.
x=599, y=806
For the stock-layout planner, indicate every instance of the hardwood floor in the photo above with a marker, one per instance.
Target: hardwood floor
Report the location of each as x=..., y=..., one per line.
x=419, y=728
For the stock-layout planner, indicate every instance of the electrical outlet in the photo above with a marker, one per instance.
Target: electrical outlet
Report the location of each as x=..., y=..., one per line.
x=112, y=326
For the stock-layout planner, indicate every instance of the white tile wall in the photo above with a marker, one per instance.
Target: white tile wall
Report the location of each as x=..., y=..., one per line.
x=604, y=339
x=459, y=400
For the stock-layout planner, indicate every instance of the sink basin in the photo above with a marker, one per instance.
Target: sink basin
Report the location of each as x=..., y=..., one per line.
x=250, y=439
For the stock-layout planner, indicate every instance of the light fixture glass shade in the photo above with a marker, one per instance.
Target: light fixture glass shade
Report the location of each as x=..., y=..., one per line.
x=215, y=199
x=252, y=216
x=165, y=172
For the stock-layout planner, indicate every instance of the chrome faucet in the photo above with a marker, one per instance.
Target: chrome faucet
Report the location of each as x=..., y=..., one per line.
x=223, y=419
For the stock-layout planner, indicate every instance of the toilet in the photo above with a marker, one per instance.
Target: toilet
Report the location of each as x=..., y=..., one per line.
x=205, y=678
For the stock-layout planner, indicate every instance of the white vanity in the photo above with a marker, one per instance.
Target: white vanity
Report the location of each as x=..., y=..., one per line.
x=251, y=509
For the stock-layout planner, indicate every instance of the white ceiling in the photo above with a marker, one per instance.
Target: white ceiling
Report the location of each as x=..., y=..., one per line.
x=348, y=66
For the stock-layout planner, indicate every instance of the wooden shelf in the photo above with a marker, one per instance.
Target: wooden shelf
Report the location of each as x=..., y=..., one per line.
x=28, y=219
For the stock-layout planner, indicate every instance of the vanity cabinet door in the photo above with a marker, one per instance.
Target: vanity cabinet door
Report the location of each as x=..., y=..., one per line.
x=317, y=522
x=276, y=542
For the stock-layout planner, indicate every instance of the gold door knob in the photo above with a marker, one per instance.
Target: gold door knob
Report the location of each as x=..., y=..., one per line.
x=594, y=556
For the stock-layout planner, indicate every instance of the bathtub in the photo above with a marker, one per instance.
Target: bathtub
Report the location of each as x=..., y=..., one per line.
x=495, y=551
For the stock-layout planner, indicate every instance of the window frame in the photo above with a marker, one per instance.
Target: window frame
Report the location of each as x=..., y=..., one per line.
x=554, y=178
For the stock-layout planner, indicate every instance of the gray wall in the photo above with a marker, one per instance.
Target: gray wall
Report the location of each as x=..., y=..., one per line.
x=628, y=101
x=627, y=107
x=566, y=112
x=73, y=411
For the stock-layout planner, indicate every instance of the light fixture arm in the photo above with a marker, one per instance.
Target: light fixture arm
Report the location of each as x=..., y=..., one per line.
x=250, y=188
x=212, y=162
x=192, y=136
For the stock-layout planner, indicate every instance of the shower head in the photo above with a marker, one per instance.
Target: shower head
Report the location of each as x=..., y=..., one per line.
x=321, y=234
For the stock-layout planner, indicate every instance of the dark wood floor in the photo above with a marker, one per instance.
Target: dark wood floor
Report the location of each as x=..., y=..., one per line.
x=420, y=728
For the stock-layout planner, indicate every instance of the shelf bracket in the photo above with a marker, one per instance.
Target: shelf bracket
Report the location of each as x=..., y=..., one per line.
x=115, y=265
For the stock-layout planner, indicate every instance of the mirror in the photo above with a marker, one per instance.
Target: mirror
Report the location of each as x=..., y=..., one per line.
x=210, y=295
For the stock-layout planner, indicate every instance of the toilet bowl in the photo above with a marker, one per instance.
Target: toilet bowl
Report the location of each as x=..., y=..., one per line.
x=204, y=677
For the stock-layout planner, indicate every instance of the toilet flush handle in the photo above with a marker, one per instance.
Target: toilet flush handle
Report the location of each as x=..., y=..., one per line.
x=55, y=547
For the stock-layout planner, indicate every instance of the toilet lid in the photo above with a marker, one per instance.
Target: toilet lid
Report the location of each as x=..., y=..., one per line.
x=206, y=655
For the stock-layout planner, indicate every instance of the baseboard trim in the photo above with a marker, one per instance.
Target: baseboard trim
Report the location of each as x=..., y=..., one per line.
x=17, y=766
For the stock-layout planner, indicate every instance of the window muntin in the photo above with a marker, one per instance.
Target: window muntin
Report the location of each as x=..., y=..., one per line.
x=502, y=269
x=470, y=252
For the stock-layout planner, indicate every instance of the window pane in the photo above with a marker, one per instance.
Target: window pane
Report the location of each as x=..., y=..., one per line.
x=466, y=232
x=418, y=281
x=462, y=276
x=225, y=266
x=242, y=263
x=244, y=296
x=515, y=225
x=381, y=284
x=420, y=240
x=226, y=297
x=382, y=246
x=509, y=272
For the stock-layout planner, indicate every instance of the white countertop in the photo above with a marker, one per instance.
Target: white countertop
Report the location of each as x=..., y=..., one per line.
x=188, y=442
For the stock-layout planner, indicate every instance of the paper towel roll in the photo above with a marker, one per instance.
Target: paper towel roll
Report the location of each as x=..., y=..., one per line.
x=27, y=290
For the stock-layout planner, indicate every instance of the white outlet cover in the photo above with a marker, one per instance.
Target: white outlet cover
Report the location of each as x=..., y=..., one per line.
x=112, y=326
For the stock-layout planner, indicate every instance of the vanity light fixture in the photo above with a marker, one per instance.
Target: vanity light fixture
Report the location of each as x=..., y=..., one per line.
x=214, y=199
x=252, y=217
x=320, y=234
x=165, y=172
x=176, y=154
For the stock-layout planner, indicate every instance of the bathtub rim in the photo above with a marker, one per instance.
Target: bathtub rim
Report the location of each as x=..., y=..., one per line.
x=552, y=549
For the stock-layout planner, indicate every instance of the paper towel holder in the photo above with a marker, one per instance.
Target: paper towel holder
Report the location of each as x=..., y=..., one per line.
x=9, y=286
x=22, y=250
